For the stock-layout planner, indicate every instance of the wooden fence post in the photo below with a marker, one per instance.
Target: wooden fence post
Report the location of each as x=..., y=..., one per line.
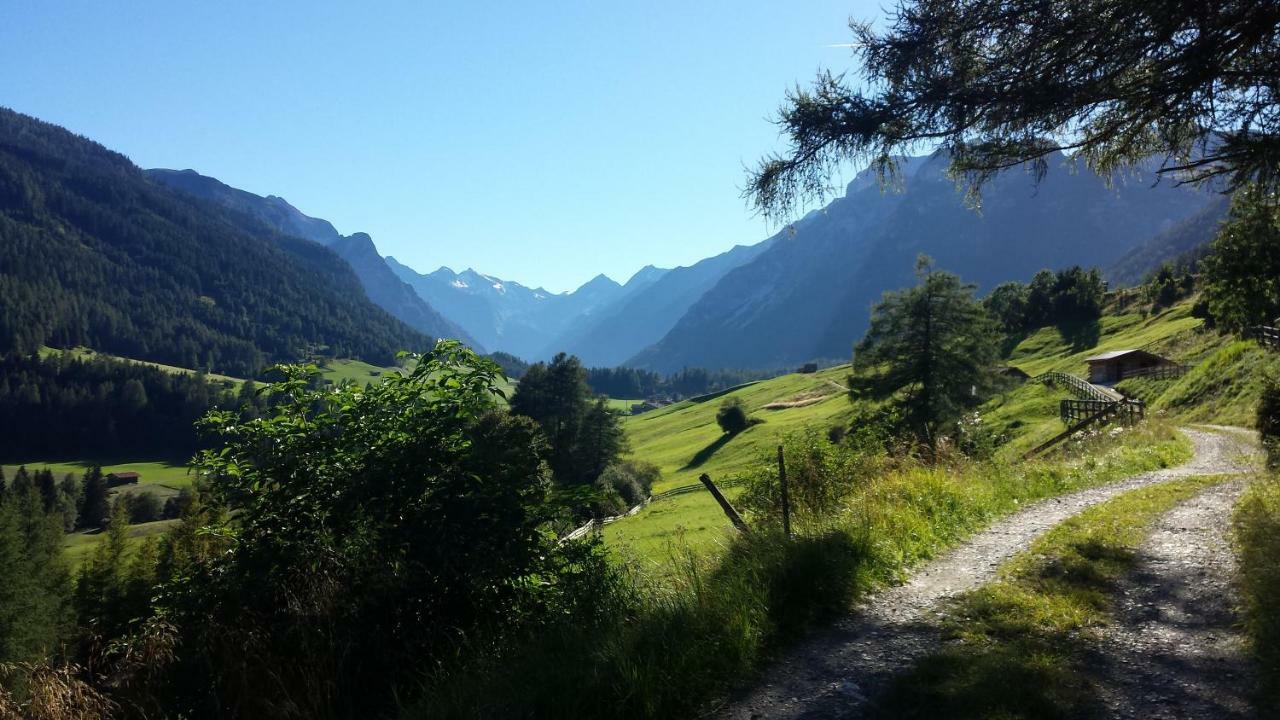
x=786, y=497
x=733, y=515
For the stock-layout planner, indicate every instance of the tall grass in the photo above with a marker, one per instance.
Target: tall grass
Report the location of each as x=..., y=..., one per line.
x=676, y=645
x=1257, y=542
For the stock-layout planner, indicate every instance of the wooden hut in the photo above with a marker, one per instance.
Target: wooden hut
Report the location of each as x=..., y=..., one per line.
x=116, y=479
x=1117, y=365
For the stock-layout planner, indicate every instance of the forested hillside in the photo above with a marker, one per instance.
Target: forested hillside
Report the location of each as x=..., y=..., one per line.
x=65, y=406
x=94, y=254
x=380, y=284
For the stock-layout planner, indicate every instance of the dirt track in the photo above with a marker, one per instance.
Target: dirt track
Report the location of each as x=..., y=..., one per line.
x=833, y=674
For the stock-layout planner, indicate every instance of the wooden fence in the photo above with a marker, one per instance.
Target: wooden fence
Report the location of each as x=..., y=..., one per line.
x=1077, y=386
x=1074, y=411
x=1130, y=410
x=1268, y=337
x=1159, y=372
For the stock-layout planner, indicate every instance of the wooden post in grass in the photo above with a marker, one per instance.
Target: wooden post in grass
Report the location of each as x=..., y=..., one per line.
x=734, y=517
x=786, y=497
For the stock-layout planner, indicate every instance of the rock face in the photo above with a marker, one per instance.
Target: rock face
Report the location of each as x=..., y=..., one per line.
x=807, y=295
x=380, y=284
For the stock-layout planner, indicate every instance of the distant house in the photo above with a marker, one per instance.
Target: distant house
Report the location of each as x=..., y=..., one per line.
x=1119, y=364
x=116, y=479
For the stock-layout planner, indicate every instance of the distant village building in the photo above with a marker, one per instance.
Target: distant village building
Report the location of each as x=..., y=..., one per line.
x=1120, y=364
x=116, y=479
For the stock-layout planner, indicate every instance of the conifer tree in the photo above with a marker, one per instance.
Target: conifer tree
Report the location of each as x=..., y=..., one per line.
x=934, y=345
x=94, y=507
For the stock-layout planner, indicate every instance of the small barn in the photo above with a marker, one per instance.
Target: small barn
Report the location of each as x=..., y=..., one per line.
x=116, y=479
x=1119, y=364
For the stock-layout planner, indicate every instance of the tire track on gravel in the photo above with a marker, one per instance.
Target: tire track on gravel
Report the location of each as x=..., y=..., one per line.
x=1176, y=650
x=832, y=674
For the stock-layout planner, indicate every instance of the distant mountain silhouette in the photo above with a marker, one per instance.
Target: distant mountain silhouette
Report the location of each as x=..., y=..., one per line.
x=808, y=295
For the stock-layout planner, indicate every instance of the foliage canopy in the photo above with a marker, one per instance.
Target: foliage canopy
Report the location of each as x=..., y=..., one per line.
x=998, y=84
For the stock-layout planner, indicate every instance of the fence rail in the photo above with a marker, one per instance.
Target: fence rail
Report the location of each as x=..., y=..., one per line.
x=1074, y=411
x=1159, y=372
x=1077, y=386
x=1267, y=336
x=1092, y=406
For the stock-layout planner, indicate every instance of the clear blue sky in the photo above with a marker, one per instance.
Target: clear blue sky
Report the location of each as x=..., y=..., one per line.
x=543, y=142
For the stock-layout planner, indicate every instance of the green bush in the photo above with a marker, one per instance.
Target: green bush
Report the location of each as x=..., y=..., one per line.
x=1268, y=422
x=732, y=416
x=623, y=485
x=821, y=476
x=142, y=507
x=379, y=532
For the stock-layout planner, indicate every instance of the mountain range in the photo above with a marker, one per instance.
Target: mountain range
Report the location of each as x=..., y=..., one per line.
x=241, y=279
x=808, y=296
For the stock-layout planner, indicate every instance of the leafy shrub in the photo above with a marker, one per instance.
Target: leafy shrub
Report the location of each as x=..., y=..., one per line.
x=1268, y=422
x=624, y=485
x=142, y=507
x=820, y=477
x=975, y=438
x=732, y=416
x=379, y=532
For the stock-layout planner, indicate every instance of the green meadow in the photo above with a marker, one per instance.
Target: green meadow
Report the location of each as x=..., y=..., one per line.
x=684, y=441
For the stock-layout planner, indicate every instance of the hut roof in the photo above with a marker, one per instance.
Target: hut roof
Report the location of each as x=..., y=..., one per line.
x=1114, y=354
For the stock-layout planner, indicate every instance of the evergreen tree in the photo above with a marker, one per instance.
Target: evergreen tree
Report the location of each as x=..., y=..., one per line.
x=48, y=487
x=34, y=581
x=95, y=506
x=933, y=343
x=69, y=491
x=112, y=591
x=1242, y=272
x=21, y=480
x=584, y=435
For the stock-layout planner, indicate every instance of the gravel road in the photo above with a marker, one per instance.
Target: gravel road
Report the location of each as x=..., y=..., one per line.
x=832, y=674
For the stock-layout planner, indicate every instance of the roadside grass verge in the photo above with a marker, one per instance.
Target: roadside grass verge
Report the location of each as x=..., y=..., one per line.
x=1257, y=542
x=695, y=625
x=1018, y=645
x=981, y=491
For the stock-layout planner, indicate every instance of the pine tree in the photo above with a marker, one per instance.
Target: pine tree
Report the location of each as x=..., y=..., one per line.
x=34, y=591
x=935, y=345
x=95, y=506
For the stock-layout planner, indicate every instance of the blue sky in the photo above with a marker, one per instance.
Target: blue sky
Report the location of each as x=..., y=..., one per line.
x=543, y=142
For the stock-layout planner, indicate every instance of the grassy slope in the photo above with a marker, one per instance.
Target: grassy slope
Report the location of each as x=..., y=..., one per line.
x=675, y=437
x=83, y=353
x=1221, y=388
x=684, y=441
